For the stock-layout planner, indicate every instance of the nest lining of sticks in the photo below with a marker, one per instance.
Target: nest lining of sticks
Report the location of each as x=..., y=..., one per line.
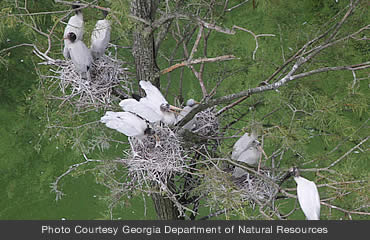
x=204, y=123
x=254, y=188
x=155, y=158
x=106, y=73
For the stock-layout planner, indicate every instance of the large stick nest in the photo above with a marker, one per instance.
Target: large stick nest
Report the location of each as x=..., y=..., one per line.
x=254, y=188
x=106, y=74
x=204, y=123
x=155, y=158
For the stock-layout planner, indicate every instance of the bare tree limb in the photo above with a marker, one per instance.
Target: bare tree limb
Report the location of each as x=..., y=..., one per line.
x=197, y=61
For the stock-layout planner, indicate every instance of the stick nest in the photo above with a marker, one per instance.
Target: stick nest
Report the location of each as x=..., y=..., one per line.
x=155, y=158
x=254, y=188
x=204, y=123
x=106, y=73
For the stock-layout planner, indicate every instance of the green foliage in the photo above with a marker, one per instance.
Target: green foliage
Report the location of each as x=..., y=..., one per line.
x=305, y=119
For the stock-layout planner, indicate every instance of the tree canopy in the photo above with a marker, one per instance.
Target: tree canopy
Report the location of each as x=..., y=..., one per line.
x=296, y=74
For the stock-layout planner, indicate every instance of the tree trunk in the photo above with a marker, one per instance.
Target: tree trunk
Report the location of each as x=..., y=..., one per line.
x=164, y=208
x=144, y=53
x=143, y=48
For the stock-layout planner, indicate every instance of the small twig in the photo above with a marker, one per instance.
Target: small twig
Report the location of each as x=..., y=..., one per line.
x=236, y=6
x=348, y=152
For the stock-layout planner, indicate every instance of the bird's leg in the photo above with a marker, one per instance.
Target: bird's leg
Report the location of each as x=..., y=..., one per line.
x=157, y=141
x=88, y=76
x=264, y=154
x=259, y=164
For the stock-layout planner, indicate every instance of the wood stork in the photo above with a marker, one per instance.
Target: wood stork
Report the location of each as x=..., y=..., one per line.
x=190, y=105
x=75, y=25
x=127, y=123
x=100, y=37
x=308, y=195
x=155, y=100
x=80, y=54
x=132, y=105
x=247, y=149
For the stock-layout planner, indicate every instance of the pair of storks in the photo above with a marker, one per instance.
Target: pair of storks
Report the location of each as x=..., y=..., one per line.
x=74, y=47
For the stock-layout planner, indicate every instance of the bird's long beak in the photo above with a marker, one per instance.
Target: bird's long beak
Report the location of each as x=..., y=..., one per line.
x=175, y=109
x=261, y=150
x=264, y=154
x=286, y=177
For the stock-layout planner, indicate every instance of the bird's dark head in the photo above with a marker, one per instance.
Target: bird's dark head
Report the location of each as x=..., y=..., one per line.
x=71, y=36
x=149, y=131
x=165, y=107
x=256, y=143
x=105, y=13
x=293, y=171
x=76, y=6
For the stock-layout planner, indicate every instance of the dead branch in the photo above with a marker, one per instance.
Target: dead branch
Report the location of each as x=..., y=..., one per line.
x=256, y=36
x=197, y=61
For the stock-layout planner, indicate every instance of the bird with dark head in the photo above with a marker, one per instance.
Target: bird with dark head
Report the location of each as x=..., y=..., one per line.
x=100, y=37
x=307, y=193
x=76, y=25
x=80, y=55
x=292, y=172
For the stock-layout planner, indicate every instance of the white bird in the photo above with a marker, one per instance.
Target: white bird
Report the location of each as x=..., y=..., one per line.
x=75, y=25
x=190, y=105
x=80, y=54
x=132, y=105
x=155, y=100
x=247, y=149
x=127, y=123
x=308, y=195
x=100, y=37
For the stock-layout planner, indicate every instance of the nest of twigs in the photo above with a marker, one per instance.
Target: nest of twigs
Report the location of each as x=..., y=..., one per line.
x=254, y=188
x=204, y=123
x=106, y=74
x=155, y=158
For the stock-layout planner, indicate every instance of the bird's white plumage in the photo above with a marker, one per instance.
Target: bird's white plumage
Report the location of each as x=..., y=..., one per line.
x=245, y=150
x=308, y=197
x=152, y=93
x=100, y=38
x=126, y=123
x=76, y=25
x=80, y=55
x=131, y=105
x=154, y=99
x=241, y=145
x=184, y=112
x=190, y=105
